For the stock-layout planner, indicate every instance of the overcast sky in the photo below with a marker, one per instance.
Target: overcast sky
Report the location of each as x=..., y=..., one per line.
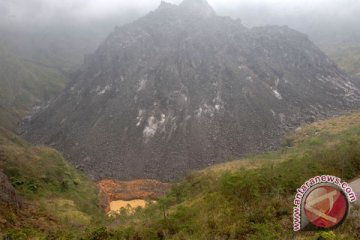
x=40, y=10
x=334, y=16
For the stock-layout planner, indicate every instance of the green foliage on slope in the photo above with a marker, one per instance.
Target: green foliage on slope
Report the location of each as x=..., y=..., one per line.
x=24, y=85
x=247, y=199
x=251, y=199
x=56, y=196
x=347, y=56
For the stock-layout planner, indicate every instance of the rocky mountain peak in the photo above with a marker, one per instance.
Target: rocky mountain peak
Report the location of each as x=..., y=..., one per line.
x=167, y=93
x=197, y=7
x=165, y=5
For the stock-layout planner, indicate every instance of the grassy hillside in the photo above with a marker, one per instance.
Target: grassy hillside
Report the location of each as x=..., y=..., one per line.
x=347, y=56
x=245, y=199
x=252, y=198
x=23, y=85
x=56, y=197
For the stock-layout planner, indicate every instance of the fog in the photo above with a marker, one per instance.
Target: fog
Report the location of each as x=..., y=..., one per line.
x=314, y=17
x=92, y=20
x=252, y=12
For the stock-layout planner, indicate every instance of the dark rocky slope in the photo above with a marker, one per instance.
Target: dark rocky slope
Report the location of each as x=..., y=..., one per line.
x=183, y=88
x=7, y=192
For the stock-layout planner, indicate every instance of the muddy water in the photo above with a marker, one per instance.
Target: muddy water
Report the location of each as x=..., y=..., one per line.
x=130, y=206
x=130, y=195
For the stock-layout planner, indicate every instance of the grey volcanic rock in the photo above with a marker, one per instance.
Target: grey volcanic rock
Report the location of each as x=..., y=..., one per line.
x=7, y=192
x=183, y=88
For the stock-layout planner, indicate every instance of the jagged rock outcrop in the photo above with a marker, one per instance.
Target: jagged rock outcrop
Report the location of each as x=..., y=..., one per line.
x=8, y=193
x=183, y=88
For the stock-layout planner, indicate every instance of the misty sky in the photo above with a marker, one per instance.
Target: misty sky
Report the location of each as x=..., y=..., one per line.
x=66, y=30
x=252, y=12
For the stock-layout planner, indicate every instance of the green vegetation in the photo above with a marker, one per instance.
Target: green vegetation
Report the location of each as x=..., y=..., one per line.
x=347, y=56
x=23, y=85
x=57, y=198
x=250, y=199
x=247, y=199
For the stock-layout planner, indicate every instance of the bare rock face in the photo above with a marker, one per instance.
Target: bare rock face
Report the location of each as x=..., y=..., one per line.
x=8, y=193
x=183, y=88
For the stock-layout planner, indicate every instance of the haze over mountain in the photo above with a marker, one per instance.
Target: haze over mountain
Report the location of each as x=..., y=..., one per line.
x=183, y=88
x=24, y=85
x=60, y=33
